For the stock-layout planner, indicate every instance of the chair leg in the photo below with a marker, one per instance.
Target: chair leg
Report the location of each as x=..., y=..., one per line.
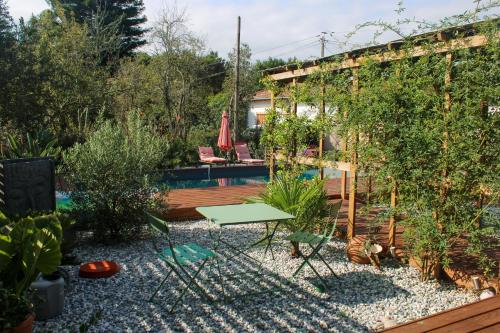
x=323, y=281
x=220, y=278
x=315, y=251
x=161, y=285
x=189, y=286
x=324, y=262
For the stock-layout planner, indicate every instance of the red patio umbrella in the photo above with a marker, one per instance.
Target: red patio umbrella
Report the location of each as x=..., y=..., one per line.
x=224, y=142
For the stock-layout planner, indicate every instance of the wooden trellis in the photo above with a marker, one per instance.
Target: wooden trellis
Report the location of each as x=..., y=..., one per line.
x=291, y=74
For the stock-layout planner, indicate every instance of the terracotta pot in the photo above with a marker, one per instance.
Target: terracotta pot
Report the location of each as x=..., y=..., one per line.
x=356, y=250
x=26, y=326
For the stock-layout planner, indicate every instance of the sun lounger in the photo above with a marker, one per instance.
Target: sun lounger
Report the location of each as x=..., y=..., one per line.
x=207, y=156
x=244, y=156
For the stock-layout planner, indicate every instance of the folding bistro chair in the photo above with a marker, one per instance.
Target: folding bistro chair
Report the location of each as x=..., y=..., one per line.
x=316, y=242
x=179, y=259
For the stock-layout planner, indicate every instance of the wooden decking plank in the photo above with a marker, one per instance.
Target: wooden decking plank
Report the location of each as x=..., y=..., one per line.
x=450, y=317
x=490, y=329
x=471, y=324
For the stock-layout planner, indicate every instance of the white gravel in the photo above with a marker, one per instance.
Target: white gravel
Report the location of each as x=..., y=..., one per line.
x=354, y=303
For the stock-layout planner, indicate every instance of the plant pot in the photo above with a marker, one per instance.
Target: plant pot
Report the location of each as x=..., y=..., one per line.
x=356, y=250
x=49, y=291
x=25, y=327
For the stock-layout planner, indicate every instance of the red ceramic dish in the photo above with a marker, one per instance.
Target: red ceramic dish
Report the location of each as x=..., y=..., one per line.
x=99, y=269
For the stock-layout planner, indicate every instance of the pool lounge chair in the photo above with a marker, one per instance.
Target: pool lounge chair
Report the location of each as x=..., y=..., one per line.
x=207, y=156
x=244, y=156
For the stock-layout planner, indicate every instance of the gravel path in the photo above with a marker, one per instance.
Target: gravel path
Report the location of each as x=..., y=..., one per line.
x=354, y=303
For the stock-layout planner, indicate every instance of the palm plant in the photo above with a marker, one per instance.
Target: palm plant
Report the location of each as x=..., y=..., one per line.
x=304, y=199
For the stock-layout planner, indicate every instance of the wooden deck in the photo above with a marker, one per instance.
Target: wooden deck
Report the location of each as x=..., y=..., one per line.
x=482, y=316
x=182, y=202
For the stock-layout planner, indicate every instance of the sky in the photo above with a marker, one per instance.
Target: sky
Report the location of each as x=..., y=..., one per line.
x=281, y=28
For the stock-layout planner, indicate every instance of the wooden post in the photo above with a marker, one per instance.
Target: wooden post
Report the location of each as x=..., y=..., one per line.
x=271, y=153
x=293, y=112
x=392, y=219
x=353, y=177
x=447, y=108
x=321, y=134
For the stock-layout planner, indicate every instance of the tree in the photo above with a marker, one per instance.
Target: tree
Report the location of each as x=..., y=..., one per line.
x=7, y=50
x=126, y=13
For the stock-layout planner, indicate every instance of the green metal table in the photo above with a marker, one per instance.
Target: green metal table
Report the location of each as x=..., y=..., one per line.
x=231, y=215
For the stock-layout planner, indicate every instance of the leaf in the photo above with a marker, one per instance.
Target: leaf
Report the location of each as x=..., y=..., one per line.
x=6, y=251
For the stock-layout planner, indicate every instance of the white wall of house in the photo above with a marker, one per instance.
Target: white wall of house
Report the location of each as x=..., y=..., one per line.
x=260, y=106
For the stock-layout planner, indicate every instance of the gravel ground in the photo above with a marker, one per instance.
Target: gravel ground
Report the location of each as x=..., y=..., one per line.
x=354, y=303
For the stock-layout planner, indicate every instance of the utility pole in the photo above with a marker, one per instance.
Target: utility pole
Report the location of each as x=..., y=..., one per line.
x=236, y=82
x=322, y=41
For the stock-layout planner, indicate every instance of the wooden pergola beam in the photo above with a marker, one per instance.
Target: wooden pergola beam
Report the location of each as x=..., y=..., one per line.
x=353, y=176
x=418, y=51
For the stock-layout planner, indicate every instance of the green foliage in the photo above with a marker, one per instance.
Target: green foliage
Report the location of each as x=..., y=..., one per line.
x=252, y=136
x=41, y=144
x=442, y=154
x=442, y=159
x=110, y=174
x=56, y=82
x=13, y=309
x=305, y=199
x=28, y=246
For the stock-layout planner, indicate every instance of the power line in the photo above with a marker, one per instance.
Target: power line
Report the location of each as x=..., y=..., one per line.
x=315, y=43
x=283, y=45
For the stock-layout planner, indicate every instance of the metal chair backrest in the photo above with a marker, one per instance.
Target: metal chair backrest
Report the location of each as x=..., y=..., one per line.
x=332, y=219
x=161, y=226
x=157, y=223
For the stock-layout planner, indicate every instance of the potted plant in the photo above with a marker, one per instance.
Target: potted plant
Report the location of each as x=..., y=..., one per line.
x=28, y=246
x=16, y=313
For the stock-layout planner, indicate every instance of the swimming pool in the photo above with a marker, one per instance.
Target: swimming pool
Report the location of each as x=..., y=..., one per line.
x=204, y=177
x=236, y=177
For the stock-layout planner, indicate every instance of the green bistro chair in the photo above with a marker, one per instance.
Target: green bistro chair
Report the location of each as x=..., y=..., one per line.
x=316, y=242
x=180, y=260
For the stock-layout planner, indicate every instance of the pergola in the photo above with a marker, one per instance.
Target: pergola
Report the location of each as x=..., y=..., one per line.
x=444, y=42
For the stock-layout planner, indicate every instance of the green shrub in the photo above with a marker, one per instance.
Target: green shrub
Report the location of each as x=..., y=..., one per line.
x=110, y=175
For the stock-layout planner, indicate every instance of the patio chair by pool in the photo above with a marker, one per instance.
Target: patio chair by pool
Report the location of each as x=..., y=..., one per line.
x=244, y=156
x=316, y=242
x=179, y=259
x=207, y=156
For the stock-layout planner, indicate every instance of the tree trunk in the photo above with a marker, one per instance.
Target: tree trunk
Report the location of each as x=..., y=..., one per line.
x=295, y=250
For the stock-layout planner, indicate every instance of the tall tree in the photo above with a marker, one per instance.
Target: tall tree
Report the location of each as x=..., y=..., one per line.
x=126, y=14
x=7, y=60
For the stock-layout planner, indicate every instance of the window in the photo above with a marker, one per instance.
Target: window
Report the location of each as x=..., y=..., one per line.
x=261, y=119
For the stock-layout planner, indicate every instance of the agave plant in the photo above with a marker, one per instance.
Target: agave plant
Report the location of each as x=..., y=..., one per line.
x=41, y=144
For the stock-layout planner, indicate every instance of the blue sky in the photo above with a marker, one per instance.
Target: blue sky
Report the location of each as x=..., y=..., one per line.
x=267, y=25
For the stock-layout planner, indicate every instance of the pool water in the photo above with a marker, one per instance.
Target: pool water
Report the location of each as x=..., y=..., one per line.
x=63, y=200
